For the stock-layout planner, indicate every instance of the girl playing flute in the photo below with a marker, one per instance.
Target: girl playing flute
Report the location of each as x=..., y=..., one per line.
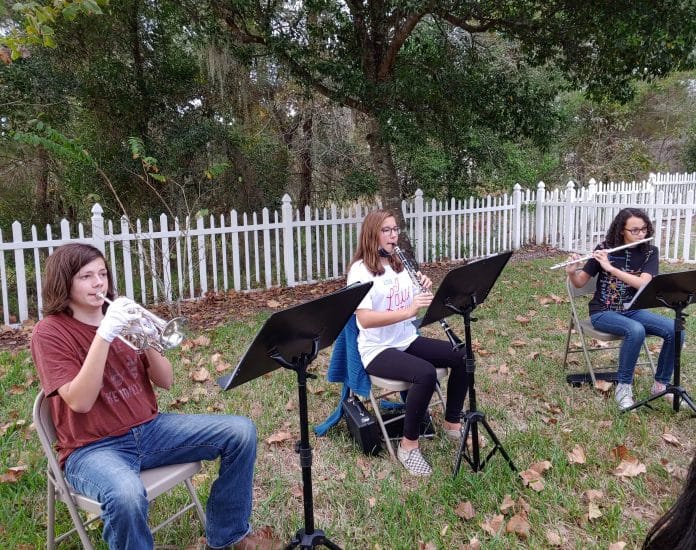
x=620, y=275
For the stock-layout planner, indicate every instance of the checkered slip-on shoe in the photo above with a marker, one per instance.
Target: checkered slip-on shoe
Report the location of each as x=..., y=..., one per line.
x=414, y=462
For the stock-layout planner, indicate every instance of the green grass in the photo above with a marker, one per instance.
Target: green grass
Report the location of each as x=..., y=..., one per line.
x=370, y=502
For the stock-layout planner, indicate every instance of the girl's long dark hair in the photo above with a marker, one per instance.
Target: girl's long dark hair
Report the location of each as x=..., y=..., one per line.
x=615, y=235
x=676, y=529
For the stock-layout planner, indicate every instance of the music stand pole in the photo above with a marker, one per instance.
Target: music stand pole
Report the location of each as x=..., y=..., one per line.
x=309, y=537
x=473, y=417
x=290, y=334
x=462, y=290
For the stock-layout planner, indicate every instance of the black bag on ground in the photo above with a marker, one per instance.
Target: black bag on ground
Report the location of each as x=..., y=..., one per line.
x=362, y=425
x=365, y=431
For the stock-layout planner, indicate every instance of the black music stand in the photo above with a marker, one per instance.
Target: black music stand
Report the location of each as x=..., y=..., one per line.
x=675, y=291
x=292, y=339
x=460, y=292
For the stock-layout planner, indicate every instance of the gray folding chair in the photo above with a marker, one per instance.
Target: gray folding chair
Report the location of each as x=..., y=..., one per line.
x=387, y=387
x=580, y=322
x=157, y=481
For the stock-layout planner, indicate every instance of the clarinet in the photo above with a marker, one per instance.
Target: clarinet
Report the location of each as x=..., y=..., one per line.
x=418, y=286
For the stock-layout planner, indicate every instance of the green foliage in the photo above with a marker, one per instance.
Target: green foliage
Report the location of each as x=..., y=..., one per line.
x=50, y=139
x=38, y=22
x=689, y=154
x=615, y=141
x=360, y=184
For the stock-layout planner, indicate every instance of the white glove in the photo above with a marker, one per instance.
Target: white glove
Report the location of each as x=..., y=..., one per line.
x=119, y=315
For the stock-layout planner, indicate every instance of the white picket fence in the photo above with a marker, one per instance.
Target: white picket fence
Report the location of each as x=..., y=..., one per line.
x=172, y=260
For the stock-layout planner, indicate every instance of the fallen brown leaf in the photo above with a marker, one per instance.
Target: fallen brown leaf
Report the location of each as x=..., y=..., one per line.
x=522, y=319
x=593, y=511
x=541, y=466
x=278, y=437
x=465, y=510
x=202, y=340
x=629, y=468
x=13, y=474
x=508, y=504
x=672, y=440
x=620, y=452
x=200, y=375
x=577, y=455
x=591, y=495
x=493, y=525
x=554, y=538
x=537, y=485
x=603, y=386
x=518, y=525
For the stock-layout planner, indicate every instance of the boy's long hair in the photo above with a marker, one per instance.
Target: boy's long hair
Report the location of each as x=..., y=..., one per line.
x=368, y=244
x=676, y=529
x=61, y=266
x=615, y=235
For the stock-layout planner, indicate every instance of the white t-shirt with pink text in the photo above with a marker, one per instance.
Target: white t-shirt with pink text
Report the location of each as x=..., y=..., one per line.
x=390, y=292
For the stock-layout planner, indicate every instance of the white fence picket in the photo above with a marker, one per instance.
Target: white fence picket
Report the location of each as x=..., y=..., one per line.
x=290, y=246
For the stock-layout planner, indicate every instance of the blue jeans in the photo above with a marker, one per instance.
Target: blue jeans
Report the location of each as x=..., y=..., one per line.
x=108, y=471
x=633, y=326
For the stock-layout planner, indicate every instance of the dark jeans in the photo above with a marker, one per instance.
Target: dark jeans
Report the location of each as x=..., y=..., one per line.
x=417, y=365
x=108, y=470
x=633, y=325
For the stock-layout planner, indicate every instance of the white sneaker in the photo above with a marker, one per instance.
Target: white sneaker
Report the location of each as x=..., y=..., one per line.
x=624, y=396
x=414, y=462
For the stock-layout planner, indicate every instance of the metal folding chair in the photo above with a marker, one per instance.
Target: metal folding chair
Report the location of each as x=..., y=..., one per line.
x=157, y=481
x=586, y=332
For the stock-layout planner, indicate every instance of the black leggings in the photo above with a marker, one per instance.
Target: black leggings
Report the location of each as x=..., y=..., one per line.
x=417, y=365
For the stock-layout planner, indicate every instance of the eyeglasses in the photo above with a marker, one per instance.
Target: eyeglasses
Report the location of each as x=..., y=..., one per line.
x=387, y=230
x=637, y=230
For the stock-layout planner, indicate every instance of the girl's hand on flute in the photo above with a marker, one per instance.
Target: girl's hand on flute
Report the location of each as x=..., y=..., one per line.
x=572, y=267
x=602, y=256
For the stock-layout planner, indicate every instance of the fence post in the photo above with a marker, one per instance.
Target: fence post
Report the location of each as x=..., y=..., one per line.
x=418, y=224
x=127, y=265
x=688, y=215
x=22, y=303
x=568, y=215
x=591, y=189
x=541, y=192
x=288, y=246
x=98, y=228
x=657, y=224
x=202, y=261
x=517, y=216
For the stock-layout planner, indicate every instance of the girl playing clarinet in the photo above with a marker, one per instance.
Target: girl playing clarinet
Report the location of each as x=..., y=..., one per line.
x=388, y=343
x=620, y=275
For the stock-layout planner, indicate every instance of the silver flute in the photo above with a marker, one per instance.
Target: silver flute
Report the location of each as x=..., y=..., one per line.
x=609, y=251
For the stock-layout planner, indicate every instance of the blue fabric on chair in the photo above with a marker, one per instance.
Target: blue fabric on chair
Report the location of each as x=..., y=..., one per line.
x=346, y=366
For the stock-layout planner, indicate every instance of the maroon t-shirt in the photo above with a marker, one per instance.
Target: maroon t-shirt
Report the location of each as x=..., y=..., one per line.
x=59, y=345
